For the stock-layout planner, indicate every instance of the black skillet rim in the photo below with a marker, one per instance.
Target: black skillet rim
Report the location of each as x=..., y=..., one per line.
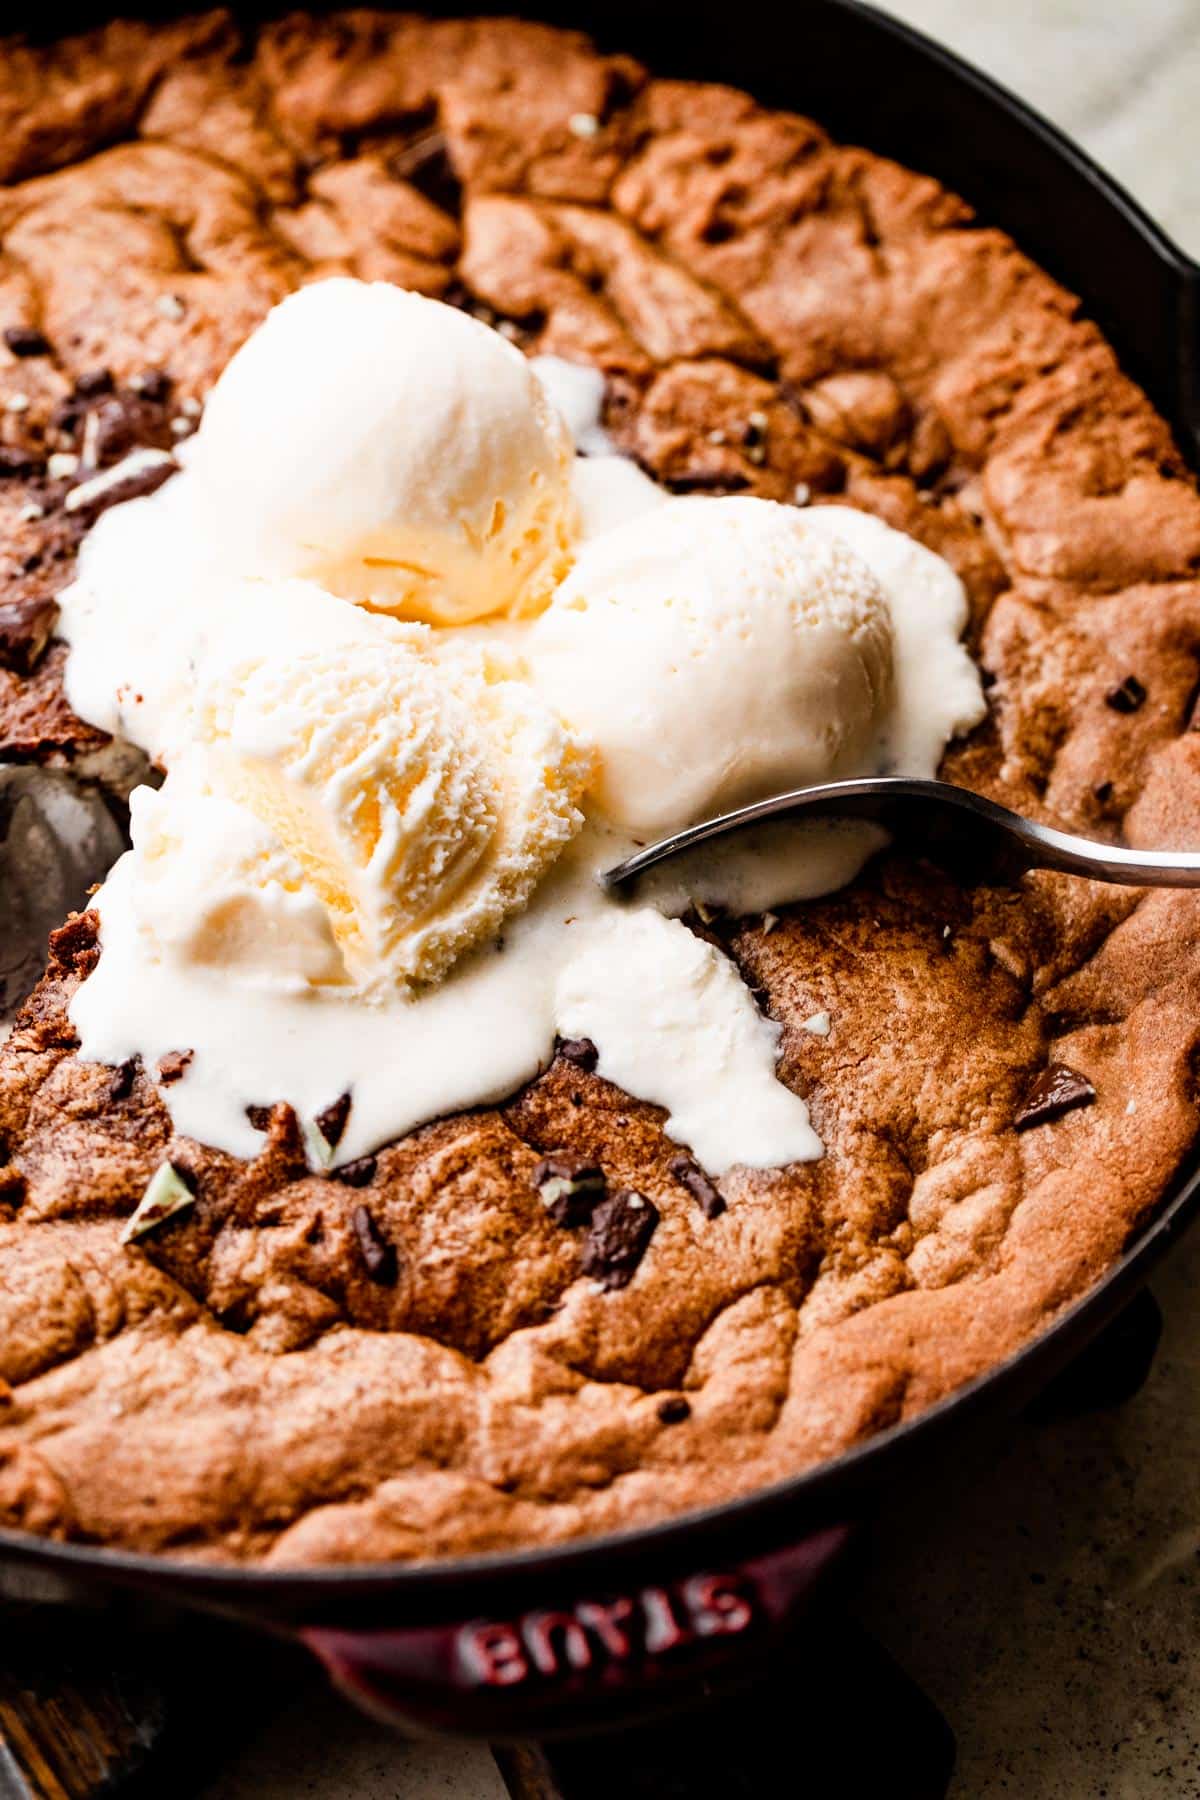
x=788, y=1510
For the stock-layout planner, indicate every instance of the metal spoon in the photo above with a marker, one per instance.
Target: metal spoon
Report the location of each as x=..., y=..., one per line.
x=976, y=833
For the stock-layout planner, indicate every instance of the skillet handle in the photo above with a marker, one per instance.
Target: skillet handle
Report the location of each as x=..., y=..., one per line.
x=581, y=1659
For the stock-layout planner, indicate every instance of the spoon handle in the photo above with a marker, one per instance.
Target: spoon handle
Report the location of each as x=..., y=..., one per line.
x=981, y=834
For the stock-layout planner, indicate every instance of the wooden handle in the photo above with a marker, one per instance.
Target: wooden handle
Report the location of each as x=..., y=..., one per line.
x=92, y=1705
x=74, y=1723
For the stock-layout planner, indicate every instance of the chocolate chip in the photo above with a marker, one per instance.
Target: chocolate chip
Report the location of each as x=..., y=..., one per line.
x=580, y=1051
x=121, y=1085
x=356, y=1174
x=674, y=1409
x=332, y=1122
x=23, y=340
x=1128, y=697
x=259, y=1117
x=1103, y=792
x=1056, y=1091
x=690, y=1175
x=173, y=1066
x=95, y=381
x=621, y=1228
x=379, y=1257
x=570, y=1188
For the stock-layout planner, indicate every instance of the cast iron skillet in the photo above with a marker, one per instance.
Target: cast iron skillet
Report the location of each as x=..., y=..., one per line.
x=512, y=1644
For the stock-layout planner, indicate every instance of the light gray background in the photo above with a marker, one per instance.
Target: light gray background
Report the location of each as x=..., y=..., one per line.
x=1051, y=1603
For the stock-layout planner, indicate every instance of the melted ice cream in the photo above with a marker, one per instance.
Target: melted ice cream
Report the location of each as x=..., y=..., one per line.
x=270, y=1019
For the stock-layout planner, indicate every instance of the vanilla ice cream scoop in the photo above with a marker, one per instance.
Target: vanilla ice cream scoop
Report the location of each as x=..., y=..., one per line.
x=412, y=816
x=714, y=651
x=392, y=448
x=216, y=891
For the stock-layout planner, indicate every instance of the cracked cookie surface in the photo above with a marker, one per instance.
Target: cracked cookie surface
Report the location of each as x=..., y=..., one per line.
x=414, y=1359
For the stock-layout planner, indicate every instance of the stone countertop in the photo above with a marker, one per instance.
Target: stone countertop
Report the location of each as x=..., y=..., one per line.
x=1123, y=80
x=1050, y=1601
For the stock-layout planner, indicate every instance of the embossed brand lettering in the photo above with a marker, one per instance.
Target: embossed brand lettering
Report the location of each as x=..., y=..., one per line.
x=492, y=1655
x=663, y=1630
x=554, y=1638
x=552, y=1644
x=717, y=1604
x=608, y=1621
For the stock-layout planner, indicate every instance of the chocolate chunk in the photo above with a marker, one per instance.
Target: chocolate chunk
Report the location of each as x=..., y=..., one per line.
x=379, y=1257
x=141, y=473
x=113, y=420
x=570, y=1188
x=13, y=1189
x=181, y=1162
x=169, y=1191
x=425, y=164
x=1128, y=697
x=458, y=295
x=621, y=1228
x=113, y=429
x=23, y=340
x=153, y=385
x=25, y=628
x=15, y=461
x=708, y=481
x=1056, y=1091
x=674, y=1409
x=121, y=1085
x=95, y=381
x=356, y=1174
x=712, y=923
x=690, y=1175
x=259, y=1117
x=1103, y=792
x=332, y=1122
x=173, y=1066
x=67, y=414
x=580, y=1051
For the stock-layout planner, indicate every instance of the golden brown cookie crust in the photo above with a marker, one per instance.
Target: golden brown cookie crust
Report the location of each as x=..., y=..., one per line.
x=775, y=314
